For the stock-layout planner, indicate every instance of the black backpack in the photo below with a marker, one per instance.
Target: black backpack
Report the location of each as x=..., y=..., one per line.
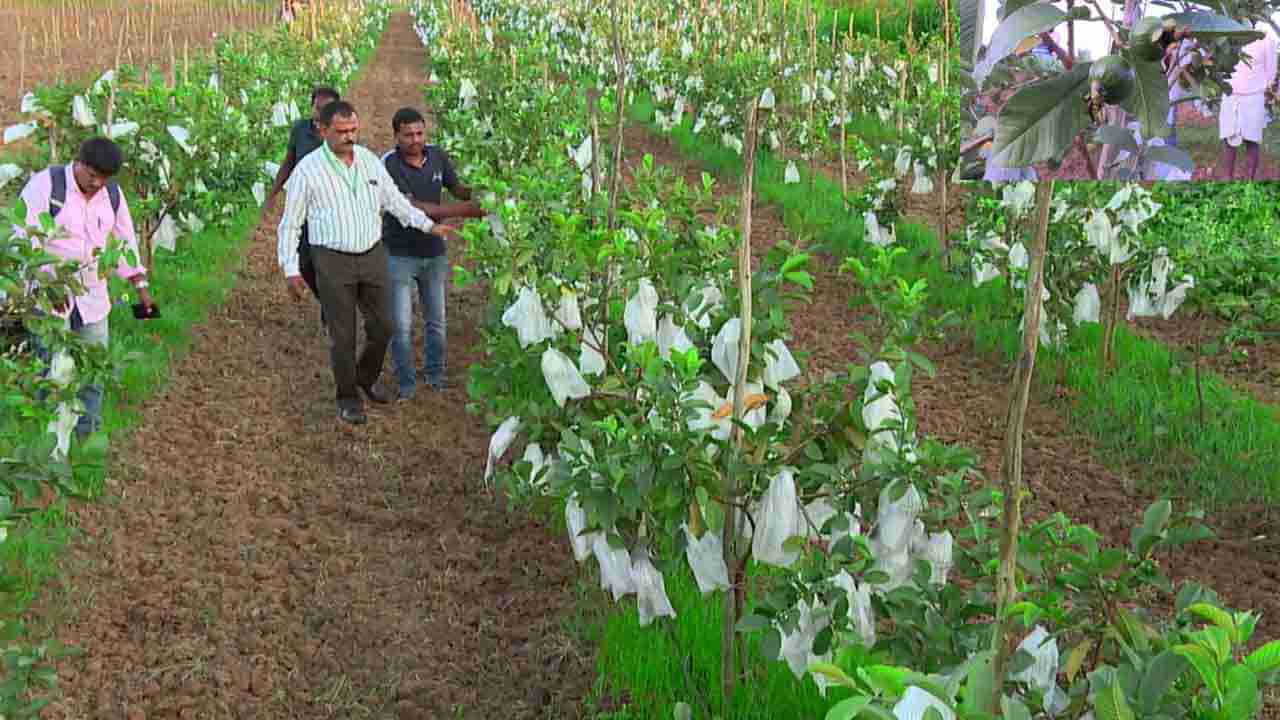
x=58, y=196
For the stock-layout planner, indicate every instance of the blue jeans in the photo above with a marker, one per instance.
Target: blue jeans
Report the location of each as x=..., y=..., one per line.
x=431, y=276
x=97, y=333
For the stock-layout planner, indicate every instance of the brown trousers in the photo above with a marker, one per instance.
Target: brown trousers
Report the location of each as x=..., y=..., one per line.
x=346, y=282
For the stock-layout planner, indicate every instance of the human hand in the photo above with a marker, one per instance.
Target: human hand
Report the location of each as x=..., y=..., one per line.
x=297, y=287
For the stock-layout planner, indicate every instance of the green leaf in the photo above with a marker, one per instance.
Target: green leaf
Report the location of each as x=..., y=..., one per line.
x=1014, y=709
x=751, y=623
x=1110, y=704
x=1149, y=102
x=1204, y=664
x=885, y=679
x=1215, y=615
x=833, y=673
x=1242, y=697
x=1042, y=119
x=801, y=278
x=1018, y=26
x=848, y=708
x=1166, y=668
x=1075, y=660
x=771, y=643
x=1206, y=26
x=1264, y=659
x=1121, y=137
x=980, y=684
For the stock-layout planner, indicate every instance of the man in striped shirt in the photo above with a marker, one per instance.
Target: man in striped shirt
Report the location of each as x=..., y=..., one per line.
x=340, y=191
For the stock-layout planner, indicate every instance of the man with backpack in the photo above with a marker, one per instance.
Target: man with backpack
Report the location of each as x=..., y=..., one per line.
x=89, y=209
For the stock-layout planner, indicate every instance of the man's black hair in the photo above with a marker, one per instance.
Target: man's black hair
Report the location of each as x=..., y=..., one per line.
x=337, y=108
x=406, y=116
x=102, y=155
x=324, y=91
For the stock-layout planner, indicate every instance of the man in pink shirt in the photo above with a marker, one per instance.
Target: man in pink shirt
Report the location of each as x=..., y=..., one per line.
x=1243, y=114
x=88, y=217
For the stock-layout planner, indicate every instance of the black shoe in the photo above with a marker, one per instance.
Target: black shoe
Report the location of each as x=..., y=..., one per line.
x=352, y=416
x=376, y=393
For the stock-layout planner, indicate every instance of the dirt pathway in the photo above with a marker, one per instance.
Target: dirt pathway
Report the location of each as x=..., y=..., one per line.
x=966, y=402
x=259, y=561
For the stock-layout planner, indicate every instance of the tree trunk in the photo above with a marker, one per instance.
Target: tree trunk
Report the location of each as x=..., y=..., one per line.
x=1011, y=458
x=728, y=643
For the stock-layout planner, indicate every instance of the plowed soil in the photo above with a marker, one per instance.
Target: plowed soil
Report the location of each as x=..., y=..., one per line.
x=966, y=403
x=261, y=561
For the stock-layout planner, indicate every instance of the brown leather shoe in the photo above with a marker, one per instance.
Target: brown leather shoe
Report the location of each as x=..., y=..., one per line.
x=376, y=393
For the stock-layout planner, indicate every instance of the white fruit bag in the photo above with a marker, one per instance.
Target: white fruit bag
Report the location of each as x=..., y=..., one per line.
x=781, y=407
x=779, y=365
x=14, y=133
x=672, y=337
x=81, y=113
x=792, y=174
x=615, y=567
x=562, y=377
x=8, y=173
x=166, y=236
x=937, y=551
x=259, y=193
x=1044, y=670
x=279, y=115
x=879, y=411
x=724, y=349
x=861, y=615
x=797, y=647
x=182, y=136
x=501, y=440
x=651, y=591
x=576, y=520
x=527, y=317
x=703, y=419
x=122, y=129
x=777, y=520
x=702, y=303
x=706, y=558
x=567, y=312
x=641, y=314
x=534, y=456
x=62, y=426
x=1088, y=304
x=590, y=361
x=916, y=702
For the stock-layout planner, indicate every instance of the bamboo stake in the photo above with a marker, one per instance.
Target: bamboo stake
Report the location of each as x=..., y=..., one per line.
x=1011, y=465
x=733, y=559
x=593, y=108
x=619, y=63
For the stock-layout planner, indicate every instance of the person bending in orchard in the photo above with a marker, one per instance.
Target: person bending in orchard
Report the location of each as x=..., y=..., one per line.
x=1243, y=114
x=420, y=171
x=304, y=138
x=90, y=209
x=340, y=191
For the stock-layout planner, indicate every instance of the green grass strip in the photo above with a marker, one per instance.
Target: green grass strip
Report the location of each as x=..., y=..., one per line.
x=1145, y=414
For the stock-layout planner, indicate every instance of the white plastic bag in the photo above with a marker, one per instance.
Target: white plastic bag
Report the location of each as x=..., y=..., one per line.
x=797, y=647
x=501, y=440
x=672, y=337
x=14, y=133
x=779, y=365
x=81, y=113
x=562, y=377
x=767, y=99
x=984, y=272
x=724, y=349
x=270, y=168
x=781, y=407
x=568, y=314
x=702, y=303
x=916, y=702
x=778, y=519
x=937, y=551
x=528, y=318
x=182, y=136
x=8, y=173
x=121, y=129
x=63, y=424
x=651, y=591
x=166, y=235
x=703, y=419
x=792, y=174
x=259, y=193
x=861, y=615
x=30, y=104
x=878, y=412
x=641, y=314
x=534, y=456
x=615, y=567
x=576, y=520
x=1088, y=305
x=923, y=184
x=467, y=93
x=706, y=558
x=878, y=234
x=582, y=154
x=279, y=115
x=1042, y=673
x=590, y=361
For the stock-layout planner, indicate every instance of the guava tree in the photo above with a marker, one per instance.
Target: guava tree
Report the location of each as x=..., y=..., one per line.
x=1046, y=110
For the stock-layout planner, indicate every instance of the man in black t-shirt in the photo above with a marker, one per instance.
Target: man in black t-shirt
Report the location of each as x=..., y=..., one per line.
x=304, y=137
x=420, y=171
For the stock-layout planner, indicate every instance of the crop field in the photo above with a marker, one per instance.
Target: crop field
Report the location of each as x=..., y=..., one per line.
x=753, y=407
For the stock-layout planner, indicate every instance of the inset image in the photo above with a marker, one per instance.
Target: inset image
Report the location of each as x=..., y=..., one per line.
x=1128, y=90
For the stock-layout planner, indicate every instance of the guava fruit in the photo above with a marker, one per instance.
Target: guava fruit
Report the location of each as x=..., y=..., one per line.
x=1113, y=79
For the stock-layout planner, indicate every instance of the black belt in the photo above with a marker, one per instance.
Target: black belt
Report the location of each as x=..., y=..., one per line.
x=348, y=254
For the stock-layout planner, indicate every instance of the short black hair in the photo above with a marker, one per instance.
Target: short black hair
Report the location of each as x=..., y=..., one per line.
x=406, y=116
x=337, y=108
x=102, y=155
x=324, y=91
